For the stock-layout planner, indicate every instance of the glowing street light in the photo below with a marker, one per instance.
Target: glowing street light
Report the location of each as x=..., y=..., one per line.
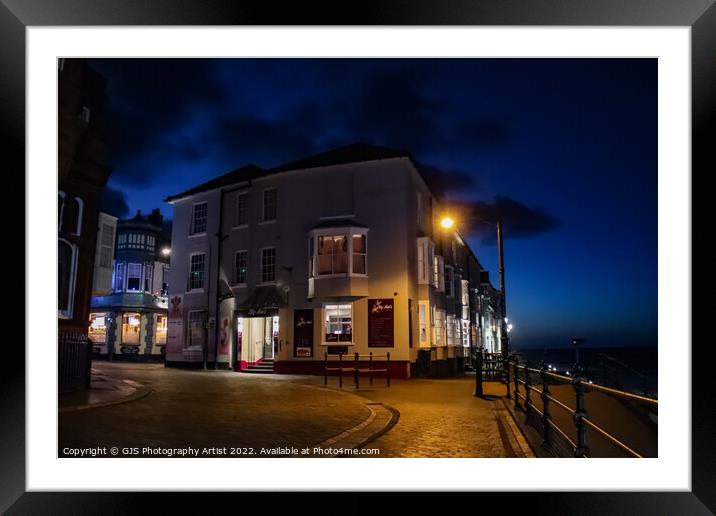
x=166, y=251
x=447, y=222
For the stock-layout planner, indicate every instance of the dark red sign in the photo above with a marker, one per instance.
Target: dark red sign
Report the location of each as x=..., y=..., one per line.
x=380, y=323
x=303, y=333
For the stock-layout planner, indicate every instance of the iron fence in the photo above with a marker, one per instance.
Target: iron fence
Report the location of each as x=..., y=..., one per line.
x=356, y=367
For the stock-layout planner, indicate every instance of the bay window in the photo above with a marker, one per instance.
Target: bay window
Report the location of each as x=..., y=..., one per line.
x=338, y=322
x=450, y=330
x=439, y=328
x=333, y=252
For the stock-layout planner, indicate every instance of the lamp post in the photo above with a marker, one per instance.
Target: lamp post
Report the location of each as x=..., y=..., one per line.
x=447, y=223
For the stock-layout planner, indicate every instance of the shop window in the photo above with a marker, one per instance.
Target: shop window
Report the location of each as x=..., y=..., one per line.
x=161, y=329
x=196, y=271
x=242, y=209
x=198, y=218
x=98, y=328
x=270, y=205
x=268, y=264
x=338, y=322
x=131, y=328
x=240, y=267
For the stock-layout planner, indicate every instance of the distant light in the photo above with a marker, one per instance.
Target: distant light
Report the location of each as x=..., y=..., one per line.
x=447, y=222
x=507, y=320
x=166, y=251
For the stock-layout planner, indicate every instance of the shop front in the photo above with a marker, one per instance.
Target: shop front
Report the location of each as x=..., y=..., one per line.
x=257, y=337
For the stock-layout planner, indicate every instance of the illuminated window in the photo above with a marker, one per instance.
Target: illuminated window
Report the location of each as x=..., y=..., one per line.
x=439, y=273
x=359, y=254
x=422, y=314
x=332, y=254
x=465, y=333
x=338, y=322
x=450, y=330
x=198, y=219
x=439, y=328
x=119, y=276
x=134, y=276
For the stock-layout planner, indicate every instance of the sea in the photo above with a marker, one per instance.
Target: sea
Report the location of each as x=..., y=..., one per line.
x=632, y=369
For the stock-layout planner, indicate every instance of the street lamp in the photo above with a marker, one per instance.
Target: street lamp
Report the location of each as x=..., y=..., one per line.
x=166, y=251
x=447, y=222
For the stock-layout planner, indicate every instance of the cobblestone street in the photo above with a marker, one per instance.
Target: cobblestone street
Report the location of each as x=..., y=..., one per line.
x=435, y=418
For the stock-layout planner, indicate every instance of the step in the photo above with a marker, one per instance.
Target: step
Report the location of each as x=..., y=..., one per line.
x=257, y=371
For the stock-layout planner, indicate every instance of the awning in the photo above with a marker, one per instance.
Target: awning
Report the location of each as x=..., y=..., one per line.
x=129, y=300
x=262, y=302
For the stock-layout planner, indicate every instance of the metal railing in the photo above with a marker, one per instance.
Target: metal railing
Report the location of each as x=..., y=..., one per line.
x=356, y=368
x=520, y=388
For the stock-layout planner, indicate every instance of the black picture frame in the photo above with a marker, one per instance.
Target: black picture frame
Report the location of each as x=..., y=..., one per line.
x=700, y=15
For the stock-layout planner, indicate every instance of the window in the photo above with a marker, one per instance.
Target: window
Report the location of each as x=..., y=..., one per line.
x=332, y=254
x=449, y=281
x=338, y=323
x=311, y=252
x=439, y=327
x=198, y=219
x=84, y=115
x=67, y=259
x=119, y=277
x=60, y=209
x=196, y=271
x=270, y=204
x=106, y=244
x=268, y=264
x=242, y=209
x=165, y=280
x=76, y=216
x=148, y=270
x=151, y=243
x=420, y=209
x=359, y=254
x=422, y=309
x=134, y=276
x=465, y=333
x=439, y=273
x=196, y=329
x=450, y=326
x=240, y=259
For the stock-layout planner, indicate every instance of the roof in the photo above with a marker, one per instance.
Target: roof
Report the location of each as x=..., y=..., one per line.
x=262, y=298
x=353, y=153
x=245, y=173
x=338, y=223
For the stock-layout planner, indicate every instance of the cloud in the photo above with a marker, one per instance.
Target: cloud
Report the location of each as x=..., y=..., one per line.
x=518, y=219
x=114, y=202
x=442, y=182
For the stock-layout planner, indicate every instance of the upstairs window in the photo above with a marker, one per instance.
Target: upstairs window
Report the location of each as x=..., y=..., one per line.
x=119, y=277
x=359, y=254
x=338, y=322
x=148, y=270
x=240, y=262
x=449, y=281
x=134, y=276
x=242, y=209
x=332, y=254
x=270, y=205
x=268, y=264
x=198, y=219
x=439, y=273
x=196, y=271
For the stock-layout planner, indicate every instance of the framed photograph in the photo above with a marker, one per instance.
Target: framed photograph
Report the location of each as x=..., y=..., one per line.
x=251, y=201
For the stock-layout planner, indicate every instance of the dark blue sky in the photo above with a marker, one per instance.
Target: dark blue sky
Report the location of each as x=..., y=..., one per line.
x=565, y=150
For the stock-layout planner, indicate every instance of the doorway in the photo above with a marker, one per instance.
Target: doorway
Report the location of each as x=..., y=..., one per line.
x=258, y=338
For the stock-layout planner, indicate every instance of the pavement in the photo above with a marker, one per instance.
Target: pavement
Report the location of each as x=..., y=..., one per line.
x=150, y=410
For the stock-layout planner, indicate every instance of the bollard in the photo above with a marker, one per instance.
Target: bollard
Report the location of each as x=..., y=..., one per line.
x=370, y=367
x=517, y=384
x=545, y=405
x=580, y=413
x=356, y=380
x=388, y=368
x=325, y=368
x=478, y=374
x=340, y=370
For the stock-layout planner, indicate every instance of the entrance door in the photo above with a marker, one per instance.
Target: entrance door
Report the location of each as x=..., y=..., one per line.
x=258, y=338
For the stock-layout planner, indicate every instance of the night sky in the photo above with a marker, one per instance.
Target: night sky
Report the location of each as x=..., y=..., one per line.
x=564, y=150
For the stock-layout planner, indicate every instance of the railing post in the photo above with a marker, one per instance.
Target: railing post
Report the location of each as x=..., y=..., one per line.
x=545, y=405
x=478, y=374
x=370, y=367
x=517, y=383
x=506, y=372
x=325, y=368
x=528, y=398
x=340, y=370
x=580, y=413
x=388, y=367
x=356, y=380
